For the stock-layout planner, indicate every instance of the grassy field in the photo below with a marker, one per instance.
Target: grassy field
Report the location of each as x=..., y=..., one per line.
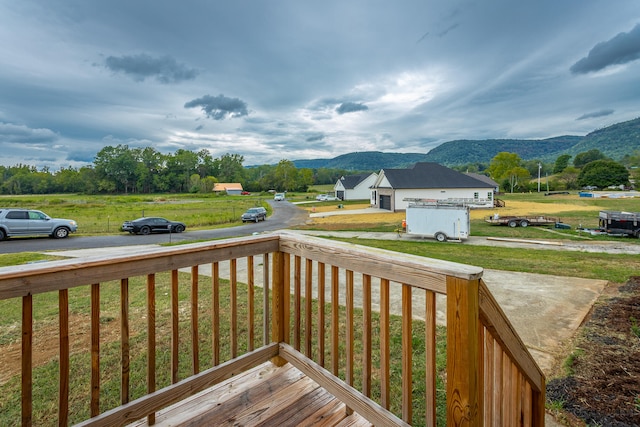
x=105, y=214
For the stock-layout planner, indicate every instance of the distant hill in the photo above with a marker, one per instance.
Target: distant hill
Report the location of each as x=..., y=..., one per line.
x=614, y=141
x=464, y=151
x=363, y=161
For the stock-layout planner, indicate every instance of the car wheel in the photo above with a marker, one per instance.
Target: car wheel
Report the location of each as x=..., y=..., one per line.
x=179, y=228
x=2, y=235
x=60, y=233
x=513, y=224
x=257, y=218
x=145, y=230
x=441, y=237
x=524, y=223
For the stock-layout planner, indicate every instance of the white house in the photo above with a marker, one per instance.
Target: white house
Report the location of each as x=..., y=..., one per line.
x=394, y=188
x=355, y=187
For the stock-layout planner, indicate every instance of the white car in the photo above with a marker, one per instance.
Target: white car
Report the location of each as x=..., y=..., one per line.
x=325, y=198
x=278, y=197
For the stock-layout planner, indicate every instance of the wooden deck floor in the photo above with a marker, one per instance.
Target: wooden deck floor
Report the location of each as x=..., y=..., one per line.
x=263, y=396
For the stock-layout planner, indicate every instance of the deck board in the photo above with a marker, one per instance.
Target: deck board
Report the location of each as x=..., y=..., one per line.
x=263, y=396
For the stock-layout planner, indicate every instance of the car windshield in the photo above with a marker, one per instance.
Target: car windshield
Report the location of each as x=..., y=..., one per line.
x=253, y=210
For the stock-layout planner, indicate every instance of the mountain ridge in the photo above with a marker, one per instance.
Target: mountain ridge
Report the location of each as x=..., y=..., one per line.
x=614, y=141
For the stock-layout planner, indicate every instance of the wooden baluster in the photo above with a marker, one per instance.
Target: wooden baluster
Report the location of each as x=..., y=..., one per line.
x=321, y=327
x=151, y=340
x=366, y=335
x=297, y=310
x=335, y=319
x=215, y=313
x=195, y=340
x=349, y=331
x=250, y=303
x=308, y=299
x=286, y=296
x=95, y=349
x=27, y=360
x=407, y=354
x=124, y=340
x=385, y=345
x=430, y=357
x=234, y=308
x=175, y=343
x=266, y=284
x=63, y=314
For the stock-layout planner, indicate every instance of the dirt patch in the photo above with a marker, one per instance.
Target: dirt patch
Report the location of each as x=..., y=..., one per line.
x=512, y=208
x=603, y=387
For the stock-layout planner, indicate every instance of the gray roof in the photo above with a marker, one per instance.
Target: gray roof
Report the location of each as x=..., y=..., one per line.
x=431, y=175
x=351, y=181
x=483, y=178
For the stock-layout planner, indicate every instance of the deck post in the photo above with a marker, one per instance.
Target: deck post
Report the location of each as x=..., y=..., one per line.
x=278, y=304
x=463, y=353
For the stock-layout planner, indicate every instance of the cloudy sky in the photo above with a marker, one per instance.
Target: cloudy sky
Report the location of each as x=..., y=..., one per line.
x=294, y=79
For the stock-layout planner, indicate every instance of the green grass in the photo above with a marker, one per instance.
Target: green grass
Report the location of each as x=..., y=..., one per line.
x=105, y=214
x=24, y=258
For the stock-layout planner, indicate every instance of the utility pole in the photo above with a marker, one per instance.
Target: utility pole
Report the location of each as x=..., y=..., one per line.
x=539, y=167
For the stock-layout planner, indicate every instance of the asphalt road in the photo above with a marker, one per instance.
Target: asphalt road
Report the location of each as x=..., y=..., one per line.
x=284, y=215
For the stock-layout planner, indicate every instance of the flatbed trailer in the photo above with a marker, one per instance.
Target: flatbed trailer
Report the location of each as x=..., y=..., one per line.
x=521, y=221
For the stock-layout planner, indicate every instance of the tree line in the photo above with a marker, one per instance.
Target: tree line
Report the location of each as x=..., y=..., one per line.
x=589, y=169
x=121, y=169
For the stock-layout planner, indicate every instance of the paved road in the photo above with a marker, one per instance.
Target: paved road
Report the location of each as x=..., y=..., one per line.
x=285, y=215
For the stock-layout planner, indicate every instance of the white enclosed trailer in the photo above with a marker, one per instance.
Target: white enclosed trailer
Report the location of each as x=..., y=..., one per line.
x=438, y=220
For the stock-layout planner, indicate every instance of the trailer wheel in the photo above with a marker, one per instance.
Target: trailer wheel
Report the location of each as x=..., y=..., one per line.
x=441, y=237
x=524, y=223
x=513, y=223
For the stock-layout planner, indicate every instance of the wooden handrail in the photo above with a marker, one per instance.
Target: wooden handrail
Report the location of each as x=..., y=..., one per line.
x=490, y=373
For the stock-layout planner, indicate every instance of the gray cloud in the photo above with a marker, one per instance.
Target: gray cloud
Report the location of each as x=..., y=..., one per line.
x=19, y=133
x=220, y=107
x=316, y=137
x=82, y=157
x=165, y=69
x=623, y=48
x=351, y=107
x=601, y=113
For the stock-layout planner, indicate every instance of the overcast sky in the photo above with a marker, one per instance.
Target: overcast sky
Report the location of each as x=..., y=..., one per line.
x=294, y=79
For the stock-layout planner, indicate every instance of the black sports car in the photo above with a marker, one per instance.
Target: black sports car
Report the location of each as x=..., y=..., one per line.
x=153, y=225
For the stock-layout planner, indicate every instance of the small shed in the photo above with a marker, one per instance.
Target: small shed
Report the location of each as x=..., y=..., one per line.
x=231, y=188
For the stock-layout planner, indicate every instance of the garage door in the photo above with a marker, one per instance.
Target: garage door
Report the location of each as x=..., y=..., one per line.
x=385, y=202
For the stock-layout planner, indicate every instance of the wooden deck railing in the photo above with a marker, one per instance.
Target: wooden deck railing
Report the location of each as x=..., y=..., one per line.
x=328, y=308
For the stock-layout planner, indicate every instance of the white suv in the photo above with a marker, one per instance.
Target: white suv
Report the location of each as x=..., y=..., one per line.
x=278, y=197
x=27, y=222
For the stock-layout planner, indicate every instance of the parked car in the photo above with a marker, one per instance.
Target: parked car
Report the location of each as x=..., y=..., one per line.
x=147, y=225
x=278, y=197
x=254, y=215
x=27, y=222
x=326, y=198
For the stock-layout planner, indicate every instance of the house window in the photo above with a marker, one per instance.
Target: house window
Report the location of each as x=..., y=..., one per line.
x=490, y=195
x=476, y=196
